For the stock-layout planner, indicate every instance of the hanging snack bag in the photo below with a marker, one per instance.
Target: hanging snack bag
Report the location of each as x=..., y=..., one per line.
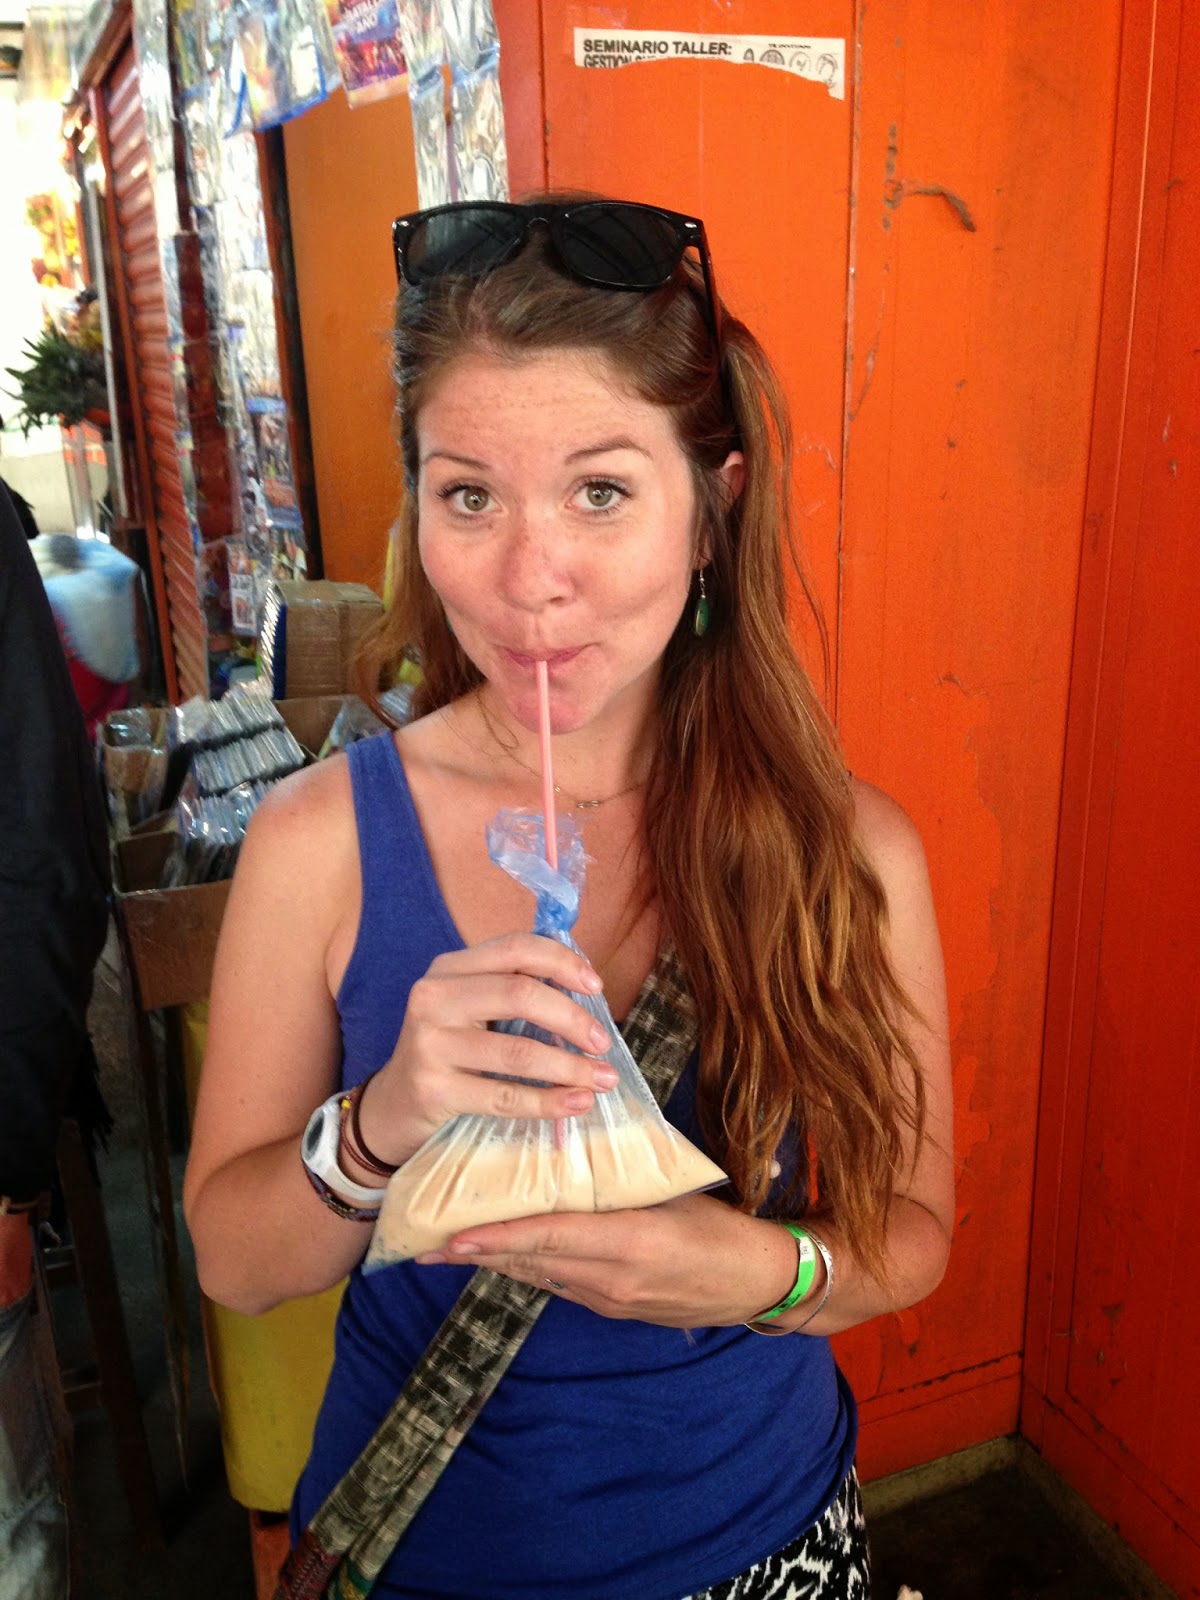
x=622, y=1154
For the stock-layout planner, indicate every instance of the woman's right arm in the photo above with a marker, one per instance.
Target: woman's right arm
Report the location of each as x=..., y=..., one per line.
x=261, y=1233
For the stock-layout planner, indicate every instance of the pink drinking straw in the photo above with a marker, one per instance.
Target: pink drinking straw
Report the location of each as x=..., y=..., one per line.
x=549, y=819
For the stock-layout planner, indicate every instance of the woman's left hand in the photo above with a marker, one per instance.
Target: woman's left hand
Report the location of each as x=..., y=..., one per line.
x=694, y=1262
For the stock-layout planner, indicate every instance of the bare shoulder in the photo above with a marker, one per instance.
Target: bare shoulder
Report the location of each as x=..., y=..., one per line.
x=296, y=885
x=315, y=801
x=303, y=836
x=892, y=845
x=888, y=836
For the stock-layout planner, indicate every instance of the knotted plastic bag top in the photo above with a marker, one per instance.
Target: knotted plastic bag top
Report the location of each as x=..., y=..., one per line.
x=516, y=841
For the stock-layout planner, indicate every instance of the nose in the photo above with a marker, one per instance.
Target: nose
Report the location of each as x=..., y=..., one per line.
x=535, y=569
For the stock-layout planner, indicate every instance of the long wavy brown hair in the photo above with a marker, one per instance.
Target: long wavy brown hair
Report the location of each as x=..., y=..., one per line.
x=775, y=912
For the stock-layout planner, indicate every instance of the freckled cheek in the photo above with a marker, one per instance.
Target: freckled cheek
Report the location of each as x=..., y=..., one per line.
x=636, y=579
x=455, y=576
x=646, y=591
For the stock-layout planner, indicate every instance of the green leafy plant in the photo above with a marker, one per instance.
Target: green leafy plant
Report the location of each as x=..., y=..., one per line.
x=62, y=381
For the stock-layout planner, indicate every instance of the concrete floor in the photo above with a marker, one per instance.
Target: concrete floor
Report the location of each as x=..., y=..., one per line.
x=1002, y=1536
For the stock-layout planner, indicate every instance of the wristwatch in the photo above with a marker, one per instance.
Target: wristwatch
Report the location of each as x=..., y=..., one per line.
x=319, y=1152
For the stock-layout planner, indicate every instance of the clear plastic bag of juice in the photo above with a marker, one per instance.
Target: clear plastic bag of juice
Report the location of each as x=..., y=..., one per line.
x=622, y=1154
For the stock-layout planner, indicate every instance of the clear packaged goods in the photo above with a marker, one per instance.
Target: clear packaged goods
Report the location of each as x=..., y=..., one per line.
x=261, y=758
x=134, y=757
x=210, y=829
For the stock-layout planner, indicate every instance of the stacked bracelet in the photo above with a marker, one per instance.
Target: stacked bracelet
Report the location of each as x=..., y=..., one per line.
x=351, y=1132
x=806, y=1271
x=339, y=1207
x=808, y=1246
x=827, y=1258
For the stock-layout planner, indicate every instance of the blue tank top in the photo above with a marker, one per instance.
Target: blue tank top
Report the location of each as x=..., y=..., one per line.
x=615, y=1458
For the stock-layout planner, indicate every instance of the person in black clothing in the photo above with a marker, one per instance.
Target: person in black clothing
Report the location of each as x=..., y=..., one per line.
x=54, y=887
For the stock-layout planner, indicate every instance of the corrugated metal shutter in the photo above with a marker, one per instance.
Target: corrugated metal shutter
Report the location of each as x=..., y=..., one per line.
x=139, y=261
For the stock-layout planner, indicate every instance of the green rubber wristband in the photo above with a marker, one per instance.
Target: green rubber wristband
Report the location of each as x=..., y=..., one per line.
x=806, y=1271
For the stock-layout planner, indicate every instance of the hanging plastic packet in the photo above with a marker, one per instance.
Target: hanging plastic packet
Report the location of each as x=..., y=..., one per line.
x=622, y=1154
x=470, y=29
x=424, y=41
x=287, y=55
x=477, y=130
x=370, y=56
x=427, y=102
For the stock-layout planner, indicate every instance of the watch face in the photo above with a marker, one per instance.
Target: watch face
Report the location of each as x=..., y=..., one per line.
x=311, y=1142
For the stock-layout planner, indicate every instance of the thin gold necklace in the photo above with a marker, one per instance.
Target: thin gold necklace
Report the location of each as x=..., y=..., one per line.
x=576, y=805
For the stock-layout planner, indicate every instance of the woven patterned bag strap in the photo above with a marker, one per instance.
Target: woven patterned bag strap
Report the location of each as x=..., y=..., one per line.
x=354, y=1532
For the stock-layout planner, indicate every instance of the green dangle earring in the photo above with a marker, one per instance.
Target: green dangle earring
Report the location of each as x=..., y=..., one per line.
x=702, y=612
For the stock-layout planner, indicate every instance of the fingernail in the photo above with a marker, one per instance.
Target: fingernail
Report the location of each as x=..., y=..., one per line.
x=433, y=1259
x=579, y=1102
x=600, y=1038
x=591, y=981
x=464, y=1247
x=604, y=1077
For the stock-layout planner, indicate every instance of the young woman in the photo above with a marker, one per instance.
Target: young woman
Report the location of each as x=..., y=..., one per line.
x=596, y=465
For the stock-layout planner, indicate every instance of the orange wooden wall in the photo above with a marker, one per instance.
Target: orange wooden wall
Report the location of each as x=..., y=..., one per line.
x=924, y=262
x=1112, y=1383
x=965, y=470
x=349, y=173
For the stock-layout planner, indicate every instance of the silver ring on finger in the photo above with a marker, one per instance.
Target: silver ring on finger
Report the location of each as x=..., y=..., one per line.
x=553, y=1283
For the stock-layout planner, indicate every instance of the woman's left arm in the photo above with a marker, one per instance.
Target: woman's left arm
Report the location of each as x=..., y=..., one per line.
x=697, y=1262
x=922, y=1215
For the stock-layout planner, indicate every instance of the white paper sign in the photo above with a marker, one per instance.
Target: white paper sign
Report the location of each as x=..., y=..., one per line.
x=822, y=60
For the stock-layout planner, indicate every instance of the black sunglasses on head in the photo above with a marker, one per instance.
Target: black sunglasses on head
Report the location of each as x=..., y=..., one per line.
x=614, y=244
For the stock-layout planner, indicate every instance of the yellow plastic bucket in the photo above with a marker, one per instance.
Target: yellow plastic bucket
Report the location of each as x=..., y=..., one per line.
x=267, y=1373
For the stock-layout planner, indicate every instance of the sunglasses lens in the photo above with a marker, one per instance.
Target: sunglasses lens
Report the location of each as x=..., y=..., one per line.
x=466, y=242
x=623, y=246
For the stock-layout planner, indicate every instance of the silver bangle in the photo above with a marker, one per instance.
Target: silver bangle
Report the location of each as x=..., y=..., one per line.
x=827, y=1258
x=823, y=1251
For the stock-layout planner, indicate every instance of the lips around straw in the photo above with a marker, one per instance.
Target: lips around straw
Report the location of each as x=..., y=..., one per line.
x=549, y=819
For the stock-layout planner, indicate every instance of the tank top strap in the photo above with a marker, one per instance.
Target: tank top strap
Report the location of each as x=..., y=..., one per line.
x=399, y=886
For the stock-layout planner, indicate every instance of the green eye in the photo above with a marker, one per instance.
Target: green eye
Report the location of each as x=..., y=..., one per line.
x=474, y=499
x=601, y=495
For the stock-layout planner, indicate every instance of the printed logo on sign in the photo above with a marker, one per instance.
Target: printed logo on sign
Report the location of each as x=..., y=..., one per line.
x=819, y=60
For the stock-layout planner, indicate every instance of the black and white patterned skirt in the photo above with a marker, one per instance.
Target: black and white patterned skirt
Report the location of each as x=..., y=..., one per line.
x=828, y=1562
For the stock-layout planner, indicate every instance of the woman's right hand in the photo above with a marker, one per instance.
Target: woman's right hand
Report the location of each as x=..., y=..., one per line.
x=448, y=1062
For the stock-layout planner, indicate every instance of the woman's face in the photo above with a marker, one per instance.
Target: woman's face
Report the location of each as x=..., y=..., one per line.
x=556, y=516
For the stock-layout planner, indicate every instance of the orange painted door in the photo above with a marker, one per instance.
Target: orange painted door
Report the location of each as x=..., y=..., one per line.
x=1113, y=1377
x=349, y=172
x=923, y=259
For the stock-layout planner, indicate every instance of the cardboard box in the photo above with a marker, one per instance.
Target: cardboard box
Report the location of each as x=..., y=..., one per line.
x=170, y=935
x=311, y=633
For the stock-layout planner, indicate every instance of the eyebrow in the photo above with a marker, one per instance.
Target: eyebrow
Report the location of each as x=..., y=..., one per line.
x=450, y=455
x=603, y=448
x=621, y=443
